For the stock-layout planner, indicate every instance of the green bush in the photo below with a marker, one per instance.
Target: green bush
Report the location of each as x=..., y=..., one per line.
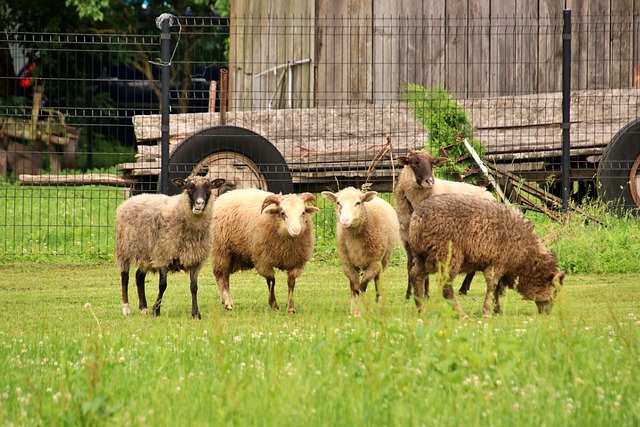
x=447, y=123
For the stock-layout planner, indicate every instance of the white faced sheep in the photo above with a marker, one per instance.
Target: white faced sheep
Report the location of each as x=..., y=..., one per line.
x=165, y=233
x=417, y=183
x=367, y=231
x=261, y=230
x=473, y=234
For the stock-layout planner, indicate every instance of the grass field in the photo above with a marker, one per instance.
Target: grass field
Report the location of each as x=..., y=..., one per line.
x=69, y=357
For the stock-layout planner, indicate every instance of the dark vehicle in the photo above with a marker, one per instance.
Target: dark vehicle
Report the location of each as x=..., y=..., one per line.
x=112, y=95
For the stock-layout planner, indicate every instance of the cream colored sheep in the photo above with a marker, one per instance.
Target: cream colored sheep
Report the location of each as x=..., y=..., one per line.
x=367, y=231
x=261, y=230
x=165, y=233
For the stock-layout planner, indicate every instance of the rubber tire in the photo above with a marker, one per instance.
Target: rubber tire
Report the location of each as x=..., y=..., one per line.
x=615, y=166
x=234, y=139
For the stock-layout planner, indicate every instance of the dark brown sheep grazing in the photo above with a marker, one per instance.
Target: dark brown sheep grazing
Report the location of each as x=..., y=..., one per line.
x=417, y=183
x=466, y=234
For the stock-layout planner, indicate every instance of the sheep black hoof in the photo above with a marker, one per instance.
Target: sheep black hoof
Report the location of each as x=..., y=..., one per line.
x=196, y=316
x=407, y=295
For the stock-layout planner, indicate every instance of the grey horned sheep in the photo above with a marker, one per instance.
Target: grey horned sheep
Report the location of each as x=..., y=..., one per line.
x=265, y=231
x=367, y=231
x=463, y=233
x=417, y=183
x=165, y=233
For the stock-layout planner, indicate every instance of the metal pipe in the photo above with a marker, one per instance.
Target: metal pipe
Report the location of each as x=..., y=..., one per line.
x=224, y=87
x=165, y=55
x=566, y=110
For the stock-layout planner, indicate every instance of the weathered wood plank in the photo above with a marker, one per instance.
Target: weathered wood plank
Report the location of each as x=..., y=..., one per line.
x=502, y=48
x=478, y=40
x=456, y=60
x=433, y=45
x=622, y=33
x=549, y=66
x=526, y=46
x=84, y=179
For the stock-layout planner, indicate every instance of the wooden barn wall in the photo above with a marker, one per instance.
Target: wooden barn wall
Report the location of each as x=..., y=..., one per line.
x=363, y=50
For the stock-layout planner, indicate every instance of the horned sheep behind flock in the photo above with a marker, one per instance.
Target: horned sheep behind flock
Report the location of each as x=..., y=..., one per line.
x=417, y=183
x=165, y=233
x=463, y=234
x=367, y=231
x=265, y=231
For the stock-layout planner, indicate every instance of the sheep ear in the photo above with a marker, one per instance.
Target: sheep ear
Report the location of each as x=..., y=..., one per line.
x=271, y=200
x=308, y=197
x=179, y=182
x=558, y=277
x=329, y=196
x=311, y=209
x=272, y=209
x=217, y=183
x=440, y=161
x=403, y=160
x=368, y=196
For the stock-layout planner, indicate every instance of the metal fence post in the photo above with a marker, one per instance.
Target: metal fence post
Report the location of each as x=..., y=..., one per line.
x=566, y=109
x=165, y=56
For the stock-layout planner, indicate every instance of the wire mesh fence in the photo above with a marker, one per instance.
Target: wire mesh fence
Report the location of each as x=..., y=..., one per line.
x=297, y=103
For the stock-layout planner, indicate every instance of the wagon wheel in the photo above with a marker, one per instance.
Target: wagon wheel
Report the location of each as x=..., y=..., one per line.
x=242, y=157
x=619, y=169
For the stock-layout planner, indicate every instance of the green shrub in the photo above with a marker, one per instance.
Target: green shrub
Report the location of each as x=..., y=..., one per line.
x=447, y=123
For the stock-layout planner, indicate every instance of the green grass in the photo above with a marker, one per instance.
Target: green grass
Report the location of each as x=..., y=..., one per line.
x=63, y=225
x=63, y=363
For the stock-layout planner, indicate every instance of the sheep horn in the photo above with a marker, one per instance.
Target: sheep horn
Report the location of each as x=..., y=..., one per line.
x=270, y=200
x=308, y=197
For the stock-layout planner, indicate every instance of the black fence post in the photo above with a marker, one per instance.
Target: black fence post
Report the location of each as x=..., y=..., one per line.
x=566, y=109
x=165, y=55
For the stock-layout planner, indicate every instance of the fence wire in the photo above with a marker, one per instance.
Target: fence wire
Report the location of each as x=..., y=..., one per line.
x=304, y=103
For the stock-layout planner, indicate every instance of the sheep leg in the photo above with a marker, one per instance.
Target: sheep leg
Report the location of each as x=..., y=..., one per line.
x=409, y=267
x=492, y=286
x=124, y=279
x=355, y=286
x=496, y=298
x=193, y=276
x=142, y=297
x=372, y=272
x=271, y=284
x=355, y=297
x=291, y=284
x=466, y=284
x=223, y=286
x=162, y=286
x=447, y=292
x=417, y=278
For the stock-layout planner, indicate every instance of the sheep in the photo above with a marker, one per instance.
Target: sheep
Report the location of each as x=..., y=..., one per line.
x=261, y=230
x=417, y=183
x=165, y=233
x=367, y=231
x=465, y=233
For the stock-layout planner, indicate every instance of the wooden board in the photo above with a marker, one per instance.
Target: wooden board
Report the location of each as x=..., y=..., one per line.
x=512, y=128
x=307, y=138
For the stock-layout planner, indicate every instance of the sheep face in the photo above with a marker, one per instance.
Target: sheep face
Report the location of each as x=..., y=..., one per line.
x=556, y=281
x=292, y=210
x=349, y=205
x=422, y=164
x=199, y=190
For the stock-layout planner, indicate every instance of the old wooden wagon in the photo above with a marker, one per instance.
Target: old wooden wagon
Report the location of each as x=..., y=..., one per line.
x=315, y=149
